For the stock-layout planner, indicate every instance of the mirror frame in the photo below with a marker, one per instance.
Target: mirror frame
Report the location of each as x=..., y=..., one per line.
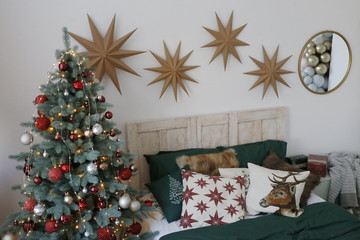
x=302, y=54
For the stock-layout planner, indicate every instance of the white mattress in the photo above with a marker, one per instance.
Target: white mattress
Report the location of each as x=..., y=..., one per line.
x=163, y=227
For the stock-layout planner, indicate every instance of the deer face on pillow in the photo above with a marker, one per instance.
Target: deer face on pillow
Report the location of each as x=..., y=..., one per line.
x=209, y=163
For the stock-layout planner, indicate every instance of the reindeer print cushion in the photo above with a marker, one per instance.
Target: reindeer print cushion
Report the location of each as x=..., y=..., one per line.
x=275, y=191
x=211, y=200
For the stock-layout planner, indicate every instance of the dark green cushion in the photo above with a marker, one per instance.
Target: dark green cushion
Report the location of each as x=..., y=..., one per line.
x=168, y=193
x=256, y=152
x=164, y=162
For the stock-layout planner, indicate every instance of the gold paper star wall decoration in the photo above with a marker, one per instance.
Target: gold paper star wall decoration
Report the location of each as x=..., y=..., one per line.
x=172, y=70
x=269, y=72
x=105, y=54
x=225, y=40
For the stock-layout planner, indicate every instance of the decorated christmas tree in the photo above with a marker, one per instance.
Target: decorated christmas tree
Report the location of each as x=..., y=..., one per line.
x=75, y=175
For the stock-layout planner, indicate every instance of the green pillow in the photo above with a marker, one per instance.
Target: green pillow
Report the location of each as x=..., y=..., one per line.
x=256, y=152
x=163, y=163
x=168, y=193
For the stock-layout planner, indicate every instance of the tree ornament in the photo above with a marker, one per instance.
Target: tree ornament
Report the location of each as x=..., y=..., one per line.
x=65, y=167
x=45, y=154
x=135, y=228
x=117, y=222
x=86, y=234
x=82, y=205
x=71, y=118
x=125, y=173
x=51, y=226
x=40, y=99
x=16, y=223
x=134, y=169
x=118, y=154
x=68, y=199
x=108, y=115
x=125, y=201
x=135, y=205
x=62, y=74
x=28, y=225
x=78, y=85
x=112, y=133
x=55, y=174
x=8, y=236
x=37, y=180
x=63, y=66
x=101, y=204
x=92, y=168
x=30, y=204
x=103, y=166
x=27, y=169
x=66, y=92
x=88, y=133
x=97, y=129
x=42, y=123
x=66, y=219
x=73, y=137
x=94, y=189
x=84, y=190
x=105, y=233
x=101, y=99
x=39, y=209
x=57, y=137
x=148, y=203
x=26, y=138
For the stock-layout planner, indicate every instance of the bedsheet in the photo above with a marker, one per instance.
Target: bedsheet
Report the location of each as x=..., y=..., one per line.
x=320, y=221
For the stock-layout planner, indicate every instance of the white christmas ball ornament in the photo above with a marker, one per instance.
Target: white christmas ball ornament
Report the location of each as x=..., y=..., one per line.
x=92, y=168
x=135, y=206
x=86, y=234
x=318, y=80
x=125, y=201
x=68, y=199
x=8, y=236
x=26, y=138
x=319, y=89
x=39, y=209
x=308, y=80
x=312, y=87
x=309, y=71
x=97, y=129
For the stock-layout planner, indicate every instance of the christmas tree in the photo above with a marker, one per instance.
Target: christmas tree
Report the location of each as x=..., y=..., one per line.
x=76, y=176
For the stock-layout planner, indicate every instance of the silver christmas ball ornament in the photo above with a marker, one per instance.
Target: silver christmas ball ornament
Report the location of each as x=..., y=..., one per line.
x=125, y=201
x=134, y=169
x=88, y=133
x=26, y=138
x=39, y=209
x=117, y=222
x=8, y=236
x=66, y=92
x=68, y=199
x=92, y=168
x=45, y=154
x=104, y=166
x=84, y=190
x=97, y=129
x=86, y=234
x=135, y=206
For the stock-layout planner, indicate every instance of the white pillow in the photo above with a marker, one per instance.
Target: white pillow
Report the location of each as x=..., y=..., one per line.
x=210, y=200
x=241, y=174
x=268, y=191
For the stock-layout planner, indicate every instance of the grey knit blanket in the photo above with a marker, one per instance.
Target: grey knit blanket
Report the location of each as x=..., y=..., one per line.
x=344, y=170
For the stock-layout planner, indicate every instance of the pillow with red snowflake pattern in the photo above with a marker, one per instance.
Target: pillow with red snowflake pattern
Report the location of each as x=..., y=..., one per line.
x=211, y=200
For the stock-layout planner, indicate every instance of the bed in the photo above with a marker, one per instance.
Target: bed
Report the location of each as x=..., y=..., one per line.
x=249, y=132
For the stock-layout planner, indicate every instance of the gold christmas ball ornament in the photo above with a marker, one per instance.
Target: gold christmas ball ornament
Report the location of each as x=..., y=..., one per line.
x=320, y=48
x=62, y=74
x=321, y=69
x=313, y=60
x=325, y=57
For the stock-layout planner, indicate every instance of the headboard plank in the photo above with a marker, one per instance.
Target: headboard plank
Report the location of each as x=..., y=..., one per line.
x=203, y=131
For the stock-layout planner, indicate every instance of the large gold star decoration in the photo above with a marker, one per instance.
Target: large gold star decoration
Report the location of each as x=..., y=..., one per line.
x=225, y=40
x=269, y=72
x=172, y=71
x=105, y=53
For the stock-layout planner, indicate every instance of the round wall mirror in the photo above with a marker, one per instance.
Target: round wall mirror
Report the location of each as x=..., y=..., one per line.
x=324, y=62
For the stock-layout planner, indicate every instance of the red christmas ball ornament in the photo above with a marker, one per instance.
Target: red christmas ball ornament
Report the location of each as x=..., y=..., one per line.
x=65, y=167
x=101, y=204
x=58, y=137
x=41, y=99
x=63, y=66
x=51, y=226
x=66, y=219
x=16, y=223
x=30, y=204
x=148, y=203
x=125, y=173
x=37, y=180
x=101, y=99
x=42, y=123
x=108, y=115
x=27, y=169
x=94, y=189
x=135, y=228
x=55, y=174
x=71, y=118
x=28, y=226
x=112, y=219
x=118, y=154
x=73, y=137
x=105, y=233
x=83, y=205
x=78, y=85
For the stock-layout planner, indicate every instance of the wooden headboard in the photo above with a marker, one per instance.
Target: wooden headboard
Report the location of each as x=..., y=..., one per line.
x=202, y=131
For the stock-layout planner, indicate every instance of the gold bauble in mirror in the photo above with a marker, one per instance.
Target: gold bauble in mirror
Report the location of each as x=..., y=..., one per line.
x=324, y=62
x=321, y=69
x=325, y=57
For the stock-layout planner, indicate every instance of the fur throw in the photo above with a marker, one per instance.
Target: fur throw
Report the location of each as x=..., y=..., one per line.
x=208, y=164
x=273, y=161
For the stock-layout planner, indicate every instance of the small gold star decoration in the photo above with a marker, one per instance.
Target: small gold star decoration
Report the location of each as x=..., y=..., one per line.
x=172, y=71
x=105, y=54
x=270, y=71
x=225, y=40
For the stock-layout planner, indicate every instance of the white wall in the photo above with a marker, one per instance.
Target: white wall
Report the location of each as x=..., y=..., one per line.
x=31, y=32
